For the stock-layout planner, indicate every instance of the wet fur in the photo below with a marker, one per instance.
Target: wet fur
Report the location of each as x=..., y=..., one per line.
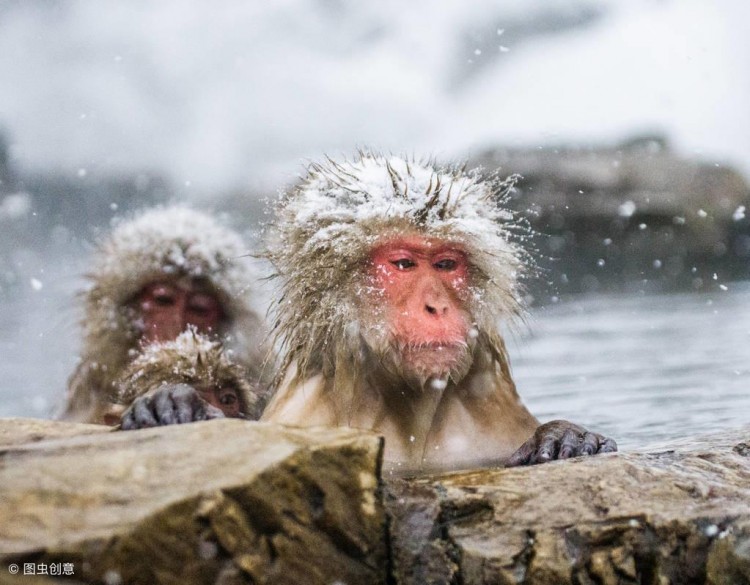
x=140, y=250
x=340, y=365
x=191, y=359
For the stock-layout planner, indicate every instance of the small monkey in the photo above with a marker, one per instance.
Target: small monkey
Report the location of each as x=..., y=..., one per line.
x=187, y=379
x=395, y=275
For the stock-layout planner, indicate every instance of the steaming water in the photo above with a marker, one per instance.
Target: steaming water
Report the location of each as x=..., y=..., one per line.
x=638, y=368
x=38, y=335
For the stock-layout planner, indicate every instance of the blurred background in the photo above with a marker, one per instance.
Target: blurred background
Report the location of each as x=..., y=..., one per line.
x=628, y=120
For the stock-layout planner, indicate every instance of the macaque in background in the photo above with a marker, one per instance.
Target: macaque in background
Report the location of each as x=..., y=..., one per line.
x=395, y=276
x=187, y=379
x=151, y=278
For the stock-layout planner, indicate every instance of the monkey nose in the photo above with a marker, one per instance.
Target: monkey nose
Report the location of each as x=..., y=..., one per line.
x=437, y=309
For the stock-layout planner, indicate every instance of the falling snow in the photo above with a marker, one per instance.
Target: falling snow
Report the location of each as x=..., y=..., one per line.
x=15, y=206
x=627, y=209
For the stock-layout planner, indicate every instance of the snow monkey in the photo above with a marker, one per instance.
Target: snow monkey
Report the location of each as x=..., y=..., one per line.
x=186, y=379
x=154, y=275
x=394, y=277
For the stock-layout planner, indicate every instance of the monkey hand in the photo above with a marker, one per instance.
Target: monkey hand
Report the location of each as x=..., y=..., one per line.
x=560, y=439
x=168, y=405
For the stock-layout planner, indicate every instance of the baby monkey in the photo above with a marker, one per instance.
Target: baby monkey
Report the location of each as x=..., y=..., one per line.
x=190, y=378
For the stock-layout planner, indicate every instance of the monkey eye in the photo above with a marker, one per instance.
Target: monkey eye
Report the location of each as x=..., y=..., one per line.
x=403, y=263
x=202, y=304
x=228, y=398
x=163, y=298
x=446, y=264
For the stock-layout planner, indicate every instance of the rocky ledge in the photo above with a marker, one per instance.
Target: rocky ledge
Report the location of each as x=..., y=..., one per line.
x=218, y=502
x=678, y=515
x=632, y=216
x=233, y=502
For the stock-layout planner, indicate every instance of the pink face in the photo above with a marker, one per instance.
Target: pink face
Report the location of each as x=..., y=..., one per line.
x=168, y=308
x=424, y=284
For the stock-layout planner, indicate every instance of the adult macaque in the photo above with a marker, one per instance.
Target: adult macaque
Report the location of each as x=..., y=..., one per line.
x=154, y=276
x=187, y=379
x=395, y=276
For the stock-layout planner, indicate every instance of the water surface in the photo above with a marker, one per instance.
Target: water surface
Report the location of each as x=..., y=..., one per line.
x=641, y=368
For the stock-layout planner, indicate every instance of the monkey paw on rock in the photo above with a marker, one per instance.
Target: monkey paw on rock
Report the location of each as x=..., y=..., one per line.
x=560, y=439
x=168, y=405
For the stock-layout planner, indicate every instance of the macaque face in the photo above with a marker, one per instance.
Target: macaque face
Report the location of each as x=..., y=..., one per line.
x=423, y=284
x=167, y=309
x=225, y=399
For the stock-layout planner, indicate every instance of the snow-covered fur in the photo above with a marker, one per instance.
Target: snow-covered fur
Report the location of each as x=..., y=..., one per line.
x=192, y=359
x=162, y=243
x=326, y=226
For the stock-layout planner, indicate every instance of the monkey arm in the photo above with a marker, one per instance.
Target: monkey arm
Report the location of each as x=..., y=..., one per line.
x=560, y=439
x=167, y=405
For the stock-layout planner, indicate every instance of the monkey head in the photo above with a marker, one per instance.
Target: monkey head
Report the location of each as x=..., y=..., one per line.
x=397, y=268
x=197, y=361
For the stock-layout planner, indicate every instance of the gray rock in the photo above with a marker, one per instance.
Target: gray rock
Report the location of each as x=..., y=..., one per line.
x=679, y=515
x=236, y=502
x=219, y=502
x=631, y=216
x=22, y=431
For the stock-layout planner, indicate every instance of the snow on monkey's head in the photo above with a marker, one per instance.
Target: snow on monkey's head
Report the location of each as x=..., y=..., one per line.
x=400, y=254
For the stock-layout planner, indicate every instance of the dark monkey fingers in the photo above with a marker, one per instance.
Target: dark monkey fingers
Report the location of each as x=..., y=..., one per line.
x=560, y=439
x=170, y=404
